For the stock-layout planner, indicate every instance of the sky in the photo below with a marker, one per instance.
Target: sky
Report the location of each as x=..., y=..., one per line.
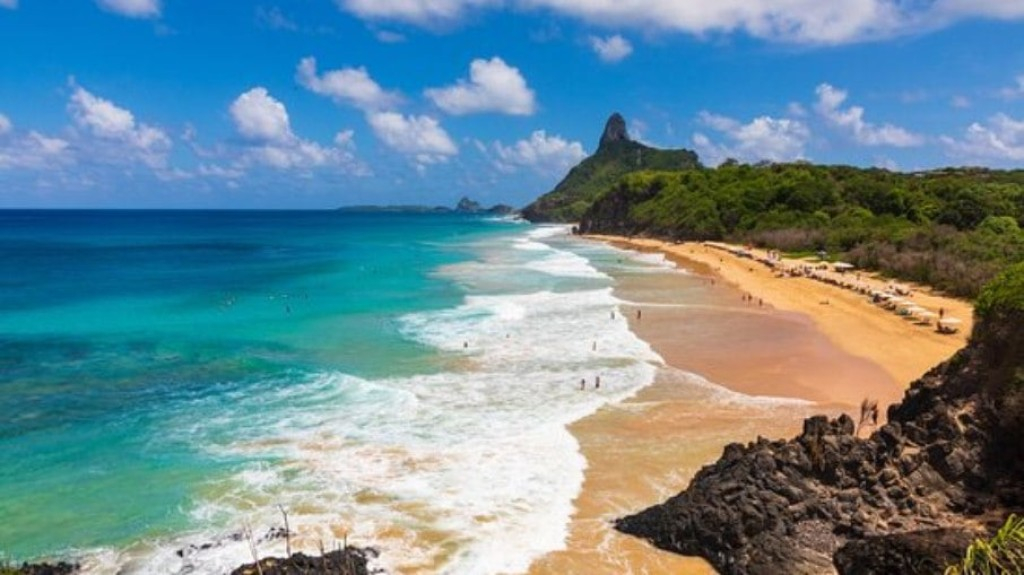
x=296, y=104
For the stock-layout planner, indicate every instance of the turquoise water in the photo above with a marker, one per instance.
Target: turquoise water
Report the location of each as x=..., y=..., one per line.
x=168, y=377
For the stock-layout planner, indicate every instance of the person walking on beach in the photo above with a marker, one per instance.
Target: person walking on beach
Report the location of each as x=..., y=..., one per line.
x=638, y=315
x=597, y=382
x=583, y=383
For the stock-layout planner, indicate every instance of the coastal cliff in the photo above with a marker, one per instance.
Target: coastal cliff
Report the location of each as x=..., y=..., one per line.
x=946, y=467
x=617, y=155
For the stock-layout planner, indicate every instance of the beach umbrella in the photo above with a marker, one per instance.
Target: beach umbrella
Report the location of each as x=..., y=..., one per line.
x=950, y=321
x=843, y=266
x=916, y=309
x=928, y=314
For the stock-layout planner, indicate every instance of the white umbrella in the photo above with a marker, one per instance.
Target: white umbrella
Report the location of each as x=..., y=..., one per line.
x=843, y=266
x=950, y=320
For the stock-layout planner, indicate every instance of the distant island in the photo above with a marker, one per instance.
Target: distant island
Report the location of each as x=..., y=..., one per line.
x=465, y=206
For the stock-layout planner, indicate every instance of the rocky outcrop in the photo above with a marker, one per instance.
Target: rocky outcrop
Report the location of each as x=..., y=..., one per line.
x=614, y=131
x=60, y=568
x=946, y=467
x=348, y=561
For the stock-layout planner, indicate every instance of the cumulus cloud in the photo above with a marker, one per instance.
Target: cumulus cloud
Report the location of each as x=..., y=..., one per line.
x=493, y=86
x=258, y=116
x=1001, y=138
x=117, y=127
x=132, y=8
x=5, y=125
x=263, y=121
x=420, y=137
x=348, y=85
x=802, y=21
x=541, y=152
x=851, y=119
x=611, y=49
x=763, y=138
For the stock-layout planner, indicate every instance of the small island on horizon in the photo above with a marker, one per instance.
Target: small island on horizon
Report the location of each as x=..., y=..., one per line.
x=464, y=206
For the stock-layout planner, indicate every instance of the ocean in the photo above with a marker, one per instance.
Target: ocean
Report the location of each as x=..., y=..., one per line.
x=171, y=380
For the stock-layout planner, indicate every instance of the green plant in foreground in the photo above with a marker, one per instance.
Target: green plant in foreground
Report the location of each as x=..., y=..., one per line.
x=1003, y=554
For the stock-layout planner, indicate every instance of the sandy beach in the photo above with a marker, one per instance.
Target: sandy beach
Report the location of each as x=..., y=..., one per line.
x=736, y=368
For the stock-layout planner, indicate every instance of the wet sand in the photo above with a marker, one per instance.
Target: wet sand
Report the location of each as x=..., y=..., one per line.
x=646, y=449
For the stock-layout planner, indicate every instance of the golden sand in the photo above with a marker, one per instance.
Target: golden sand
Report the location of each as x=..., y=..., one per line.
x=790, y=344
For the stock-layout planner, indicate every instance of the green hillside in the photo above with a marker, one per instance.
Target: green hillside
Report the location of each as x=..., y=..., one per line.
x=954, y=228
x=616, y=156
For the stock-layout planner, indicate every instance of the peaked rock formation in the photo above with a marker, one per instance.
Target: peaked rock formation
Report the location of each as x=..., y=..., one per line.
x=614, y=131
x=948, y=464
x=616, y=156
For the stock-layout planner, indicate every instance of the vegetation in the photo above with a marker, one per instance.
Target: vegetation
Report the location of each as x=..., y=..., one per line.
x=1002, y=554
x=584, y=183
x=1005, y=294
x=954, y=228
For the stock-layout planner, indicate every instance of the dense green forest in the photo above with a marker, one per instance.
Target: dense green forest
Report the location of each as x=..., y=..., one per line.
x=954, y=229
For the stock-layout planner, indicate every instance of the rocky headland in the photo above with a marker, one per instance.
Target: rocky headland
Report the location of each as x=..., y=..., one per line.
x=947, y=467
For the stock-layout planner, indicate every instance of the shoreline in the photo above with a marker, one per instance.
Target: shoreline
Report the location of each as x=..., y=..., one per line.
x=807, y=357
x=848, y=318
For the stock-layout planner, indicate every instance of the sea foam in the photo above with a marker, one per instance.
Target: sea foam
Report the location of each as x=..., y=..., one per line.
x=466, y=470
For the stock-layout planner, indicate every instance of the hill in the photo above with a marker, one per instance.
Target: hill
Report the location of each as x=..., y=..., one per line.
x=953, y=228
x=616, y=156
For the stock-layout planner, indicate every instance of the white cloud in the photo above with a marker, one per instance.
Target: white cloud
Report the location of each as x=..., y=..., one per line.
x=258, y=116
x=215, y=171
x=132, y=8
x=263, y=121
x=348, y=85
x=852, y=120
x=611, y=49
x=5, y=125
x=274, y=19
x=802, y=21
x=419, y=136
x=12, y=4
x=1014, y=92
x=493, y=86
x=389, y=37
x=33, y=151
x=116, y=126
x=960, y=102
x=1001, y=139
x=763, y=138
x=543, y=153
x=421, y=12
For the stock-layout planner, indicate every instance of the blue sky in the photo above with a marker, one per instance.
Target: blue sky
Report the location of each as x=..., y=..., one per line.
x=322, y=103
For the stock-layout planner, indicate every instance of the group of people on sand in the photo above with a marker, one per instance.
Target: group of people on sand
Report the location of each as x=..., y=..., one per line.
x=747, y=298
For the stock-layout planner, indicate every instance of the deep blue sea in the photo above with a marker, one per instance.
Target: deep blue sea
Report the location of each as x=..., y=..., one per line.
x=170, y=379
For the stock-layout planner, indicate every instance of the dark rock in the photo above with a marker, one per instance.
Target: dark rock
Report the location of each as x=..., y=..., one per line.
x=895, y=502
x=614, y=130
x=60, y=568
x=348, y=561
x=914, y=553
